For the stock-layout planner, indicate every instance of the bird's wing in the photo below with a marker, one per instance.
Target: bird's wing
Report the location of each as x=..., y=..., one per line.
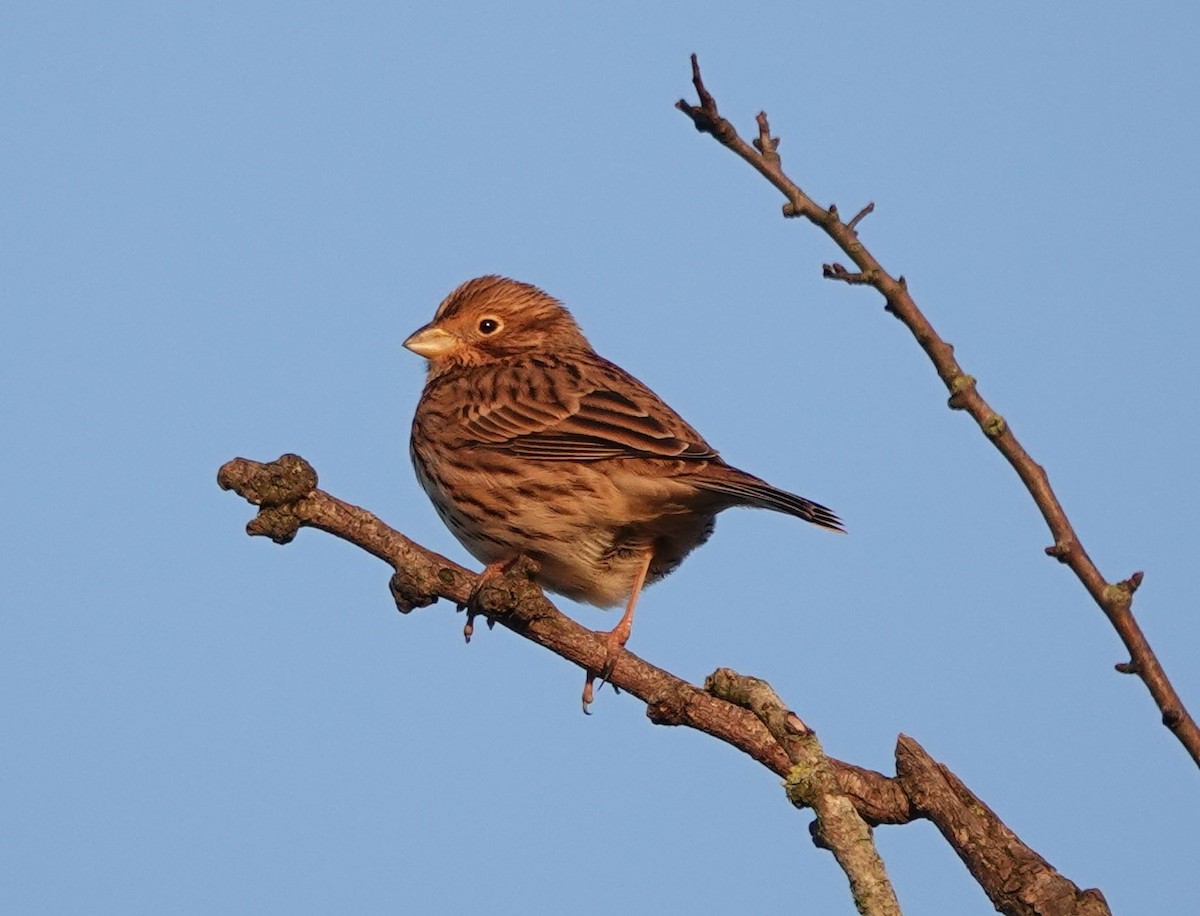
x=576, y=408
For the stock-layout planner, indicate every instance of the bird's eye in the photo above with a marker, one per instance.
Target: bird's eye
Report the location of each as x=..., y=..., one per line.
x=489, y=326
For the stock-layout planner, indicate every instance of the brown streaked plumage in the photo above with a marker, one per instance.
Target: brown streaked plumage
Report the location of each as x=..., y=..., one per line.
x=529, y=442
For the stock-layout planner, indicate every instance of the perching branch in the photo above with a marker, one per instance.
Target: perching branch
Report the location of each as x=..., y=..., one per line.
x=285, y=490
x=1115, y=599
x=1016, y=879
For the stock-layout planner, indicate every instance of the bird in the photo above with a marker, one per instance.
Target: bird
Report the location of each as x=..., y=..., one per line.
x=529, y=443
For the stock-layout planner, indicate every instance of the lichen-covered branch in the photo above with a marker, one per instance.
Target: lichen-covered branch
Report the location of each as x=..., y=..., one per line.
x=811, y=783
x=1114, y=598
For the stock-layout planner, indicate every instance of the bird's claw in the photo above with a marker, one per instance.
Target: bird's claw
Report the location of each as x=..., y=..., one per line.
x=588, y=694
x=491, y=571
x=614, y=644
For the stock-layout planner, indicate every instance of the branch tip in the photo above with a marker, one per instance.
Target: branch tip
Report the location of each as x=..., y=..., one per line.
x=858, y=217
x=698, y=82
x=1060, y=552
x=837, y=271
x=287, y=479
x=766, y=145
x=705, y=116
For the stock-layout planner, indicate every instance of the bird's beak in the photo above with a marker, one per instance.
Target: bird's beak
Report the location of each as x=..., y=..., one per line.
x=431, y=342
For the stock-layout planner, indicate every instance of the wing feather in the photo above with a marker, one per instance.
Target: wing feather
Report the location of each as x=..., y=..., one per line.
x=577, y=407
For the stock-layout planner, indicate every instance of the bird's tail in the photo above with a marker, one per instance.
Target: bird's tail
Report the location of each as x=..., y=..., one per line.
x=747, y=490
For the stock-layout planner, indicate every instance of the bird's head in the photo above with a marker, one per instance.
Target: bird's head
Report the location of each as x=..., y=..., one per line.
x=490, y=318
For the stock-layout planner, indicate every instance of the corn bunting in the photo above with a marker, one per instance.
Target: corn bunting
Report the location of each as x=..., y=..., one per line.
x=530, y=443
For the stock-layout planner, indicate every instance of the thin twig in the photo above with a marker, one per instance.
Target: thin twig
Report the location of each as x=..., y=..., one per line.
x=869, y=208
x=836, y=271
x=1114, y=599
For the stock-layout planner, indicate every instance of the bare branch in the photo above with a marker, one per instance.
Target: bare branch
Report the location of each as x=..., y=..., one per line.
x=1115, y=600
x=1016, y=879
x=766, y=160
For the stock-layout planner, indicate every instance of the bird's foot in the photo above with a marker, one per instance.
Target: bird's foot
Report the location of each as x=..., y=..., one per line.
x=490, y=572
x=614, y=644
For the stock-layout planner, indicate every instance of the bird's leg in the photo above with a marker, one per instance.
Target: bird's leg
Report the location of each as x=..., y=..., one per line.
x=619, y=635
x=491, y=571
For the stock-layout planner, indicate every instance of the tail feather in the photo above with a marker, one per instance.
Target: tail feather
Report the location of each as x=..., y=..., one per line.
x=747, y=490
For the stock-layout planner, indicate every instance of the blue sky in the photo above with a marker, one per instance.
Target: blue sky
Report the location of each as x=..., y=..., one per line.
x=218, y=224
